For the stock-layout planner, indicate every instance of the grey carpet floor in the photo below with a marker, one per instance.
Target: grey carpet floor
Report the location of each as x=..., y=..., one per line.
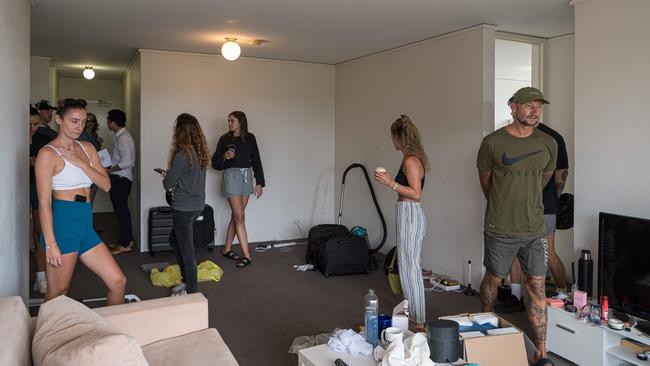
x=260, y=309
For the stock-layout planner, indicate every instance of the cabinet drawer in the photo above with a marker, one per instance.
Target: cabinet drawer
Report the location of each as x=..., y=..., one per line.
x=574, y=340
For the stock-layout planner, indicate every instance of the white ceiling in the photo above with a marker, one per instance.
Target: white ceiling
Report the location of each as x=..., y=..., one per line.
x=106, y=34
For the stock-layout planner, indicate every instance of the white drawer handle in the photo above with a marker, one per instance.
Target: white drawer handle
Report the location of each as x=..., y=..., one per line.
x=566, y=328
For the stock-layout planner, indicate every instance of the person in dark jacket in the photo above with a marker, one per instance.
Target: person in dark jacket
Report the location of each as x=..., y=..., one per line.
x=188, y=160
x=238, y=156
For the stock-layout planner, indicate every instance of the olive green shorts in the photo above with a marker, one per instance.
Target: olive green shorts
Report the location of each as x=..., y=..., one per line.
x=501, y=250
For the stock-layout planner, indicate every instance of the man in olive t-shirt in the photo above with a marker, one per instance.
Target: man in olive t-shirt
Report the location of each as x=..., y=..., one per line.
x=514, y=164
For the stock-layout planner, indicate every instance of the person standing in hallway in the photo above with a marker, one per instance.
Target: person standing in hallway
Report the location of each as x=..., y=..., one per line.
x=410, y=219
x=188, y=160
x=46, y=111
x=121, y=174
x=514, y=164
x=238, y=156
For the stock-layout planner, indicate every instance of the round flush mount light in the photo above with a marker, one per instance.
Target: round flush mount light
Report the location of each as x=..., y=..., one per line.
x=89, y=73
x=230, y=50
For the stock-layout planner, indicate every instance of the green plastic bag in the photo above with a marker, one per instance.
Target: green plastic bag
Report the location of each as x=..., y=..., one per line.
x=171, y=275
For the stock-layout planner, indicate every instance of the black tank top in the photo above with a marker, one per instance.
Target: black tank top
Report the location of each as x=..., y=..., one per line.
x=401, y=178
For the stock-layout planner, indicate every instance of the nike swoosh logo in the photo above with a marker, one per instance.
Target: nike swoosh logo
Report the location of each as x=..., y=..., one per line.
x=515, y=159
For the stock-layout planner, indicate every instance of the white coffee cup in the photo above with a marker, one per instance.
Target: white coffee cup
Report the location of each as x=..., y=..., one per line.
x=380, y=170
x=390, y=335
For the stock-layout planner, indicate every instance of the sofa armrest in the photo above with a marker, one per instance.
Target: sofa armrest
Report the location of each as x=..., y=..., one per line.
x=154, y=320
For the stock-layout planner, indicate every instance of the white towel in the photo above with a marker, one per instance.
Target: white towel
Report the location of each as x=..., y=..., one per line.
x=484, y=319
x=350, y=341
x=336, y=345
x=360, y=348
x=413, y=352
x=462, y=321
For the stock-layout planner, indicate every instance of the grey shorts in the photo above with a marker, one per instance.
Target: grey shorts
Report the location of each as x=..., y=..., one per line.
x=501, y=250
x=551, y=221
x=237, y=182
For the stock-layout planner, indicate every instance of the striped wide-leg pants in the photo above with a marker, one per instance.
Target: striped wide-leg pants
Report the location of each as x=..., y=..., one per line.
x=411, y=228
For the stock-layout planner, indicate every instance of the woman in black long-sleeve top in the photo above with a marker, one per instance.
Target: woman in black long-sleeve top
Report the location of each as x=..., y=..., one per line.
x=238, y=156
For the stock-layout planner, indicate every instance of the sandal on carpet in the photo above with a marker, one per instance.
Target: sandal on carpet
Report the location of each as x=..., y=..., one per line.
x=243, y=262
x=231, y=255
x=544, y=362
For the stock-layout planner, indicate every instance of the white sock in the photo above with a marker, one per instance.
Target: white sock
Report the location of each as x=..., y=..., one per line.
x=516, y=290
x=40, y=275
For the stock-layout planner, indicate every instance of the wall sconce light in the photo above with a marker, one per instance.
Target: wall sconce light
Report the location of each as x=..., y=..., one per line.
x=230, y=50
x=89, y=73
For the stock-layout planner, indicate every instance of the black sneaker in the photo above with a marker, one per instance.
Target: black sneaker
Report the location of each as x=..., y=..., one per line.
x=517, y=306
x=507, y=300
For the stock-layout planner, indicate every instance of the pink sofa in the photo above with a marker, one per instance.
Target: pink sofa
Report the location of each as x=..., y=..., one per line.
x=171, y=331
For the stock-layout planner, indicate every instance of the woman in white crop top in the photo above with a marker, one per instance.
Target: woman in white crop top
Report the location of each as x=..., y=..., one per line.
x=65, y=170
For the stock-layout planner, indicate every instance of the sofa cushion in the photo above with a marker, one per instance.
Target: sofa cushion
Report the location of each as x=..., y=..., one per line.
x=68, y=333
x=16, y=327
x=202, y=348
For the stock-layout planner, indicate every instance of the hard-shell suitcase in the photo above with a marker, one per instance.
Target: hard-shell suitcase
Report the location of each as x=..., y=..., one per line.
x=320, y=234
x=160, y=225
x=203, y=229
x=346, y=254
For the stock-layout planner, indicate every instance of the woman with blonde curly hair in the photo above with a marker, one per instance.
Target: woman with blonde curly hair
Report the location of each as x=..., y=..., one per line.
x=187, y=163
x=410, y=220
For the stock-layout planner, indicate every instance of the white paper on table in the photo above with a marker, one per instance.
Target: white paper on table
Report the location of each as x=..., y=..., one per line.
x=105, y=158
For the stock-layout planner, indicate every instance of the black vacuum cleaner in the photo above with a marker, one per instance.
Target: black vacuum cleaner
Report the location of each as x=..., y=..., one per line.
x=334, y=250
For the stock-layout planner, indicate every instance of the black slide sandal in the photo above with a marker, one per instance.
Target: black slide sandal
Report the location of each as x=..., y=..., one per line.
x=243, y=262
x=231, y=255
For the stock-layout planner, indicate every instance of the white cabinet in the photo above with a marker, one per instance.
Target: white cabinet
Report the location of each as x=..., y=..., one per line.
x=587, y=344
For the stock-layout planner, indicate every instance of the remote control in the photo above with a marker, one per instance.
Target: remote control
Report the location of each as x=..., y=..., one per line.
x=340, y=362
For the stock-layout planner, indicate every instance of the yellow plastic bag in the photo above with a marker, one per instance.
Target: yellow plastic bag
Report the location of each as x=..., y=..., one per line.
x=209, y=271
x=171, y=275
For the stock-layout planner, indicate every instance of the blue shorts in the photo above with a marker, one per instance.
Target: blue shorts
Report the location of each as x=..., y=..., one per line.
x=73, y=227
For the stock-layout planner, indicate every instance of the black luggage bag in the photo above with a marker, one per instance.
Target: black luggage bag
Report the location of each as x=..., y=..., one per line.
x=203, y=229
x=345, y=254
x=319, y=235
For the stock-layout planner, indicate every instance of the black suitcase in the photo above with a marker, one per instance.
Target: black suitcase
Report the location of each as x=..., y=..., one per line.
x=320, y=234
x=203, y=229
x=160, y=225
x=346, y=254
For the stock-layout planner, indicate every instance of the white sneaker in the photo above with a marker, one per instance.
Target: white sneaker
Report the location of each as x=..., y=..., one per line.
x=40, y=285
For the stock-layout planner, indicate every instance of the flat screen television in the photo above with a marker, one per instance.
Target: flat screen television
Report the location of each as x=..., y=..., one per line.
x=624, y=263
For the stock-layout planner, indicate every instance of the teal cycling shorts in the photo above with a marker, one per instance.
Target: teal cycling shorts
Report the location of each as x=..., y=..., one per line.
x=73, y=227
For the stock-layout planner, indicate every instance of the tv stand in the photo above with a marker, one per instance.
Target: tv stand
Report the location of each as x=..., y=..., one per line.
x=587, y=344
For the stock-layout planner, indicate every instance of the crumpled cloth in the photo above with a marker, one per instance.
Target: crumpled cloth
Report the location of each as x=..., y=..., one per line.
x=347, y=340
x=414, y=351
x=303, y=342
x=171, y=275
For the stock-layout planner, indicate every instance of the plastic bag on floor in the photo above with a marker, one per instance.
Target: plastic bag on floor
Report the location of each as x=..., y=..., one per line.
x=171, y=275
x=209, y=271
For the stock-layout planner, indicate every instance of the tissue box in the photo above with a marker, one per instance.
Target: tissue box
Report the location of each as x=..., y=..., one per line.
x=400, y=317
x=494, y=349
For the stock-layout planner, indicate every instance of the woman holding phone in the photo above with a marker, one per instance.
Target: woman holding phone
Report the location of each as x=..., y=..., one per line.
x=188, y=161
x=410, y=220
x=65, y=170
x=238, y=156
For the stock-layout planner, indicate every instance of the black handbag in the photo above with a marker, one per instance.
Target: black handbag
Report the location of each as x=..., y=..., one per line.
x=565, y=212
x=169, y=196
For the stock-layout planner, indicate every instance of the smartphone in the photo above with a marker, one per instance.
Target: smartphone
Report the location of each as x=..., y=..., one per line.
x=159, y=170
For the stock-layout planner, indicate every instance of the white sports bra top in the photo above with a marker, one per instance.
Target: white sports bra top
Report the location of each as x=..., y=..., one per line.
x=71, y=176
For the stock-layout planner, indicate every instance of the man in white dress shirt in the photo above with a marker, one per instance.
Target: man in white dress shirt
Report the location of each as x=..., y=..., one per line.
x=121, y=174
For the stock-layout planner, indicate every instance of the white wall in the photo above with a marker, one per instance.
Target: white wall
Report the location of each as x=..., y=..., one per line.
x=611, y=113
x=39, y=82
x=102, y=96
x=559, y=90
x=14, y=112
x=290, y=108
x=131, y=84
x=446, y=85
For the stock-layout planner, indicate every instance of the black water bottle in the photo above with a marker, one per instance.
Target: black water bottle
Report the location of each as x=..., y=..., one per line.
x=585, y=272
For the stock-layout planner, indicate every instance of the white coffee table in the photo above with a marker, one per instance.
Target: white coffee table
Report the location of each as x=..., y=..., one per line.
x=323, y=355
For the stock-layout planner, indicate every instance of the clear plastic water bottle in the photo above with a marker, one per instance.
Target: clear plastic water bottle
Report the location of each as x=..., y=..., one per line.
x=371, y=311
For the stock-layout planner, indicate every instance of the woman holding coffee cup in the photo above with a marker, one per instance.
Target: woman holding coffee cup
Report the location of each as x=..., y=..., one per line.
x=410, y=220
x=238, y=156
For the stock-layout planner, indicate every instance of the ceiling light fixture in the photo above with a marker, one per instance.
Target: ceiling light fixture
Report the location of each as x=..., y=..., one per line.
x=230, y=49
x=89, y=73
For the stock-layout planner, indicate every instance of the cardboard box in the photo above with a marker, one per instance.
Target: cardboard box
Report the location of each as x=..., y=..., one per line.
x=634, y=346
x=494, y=350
